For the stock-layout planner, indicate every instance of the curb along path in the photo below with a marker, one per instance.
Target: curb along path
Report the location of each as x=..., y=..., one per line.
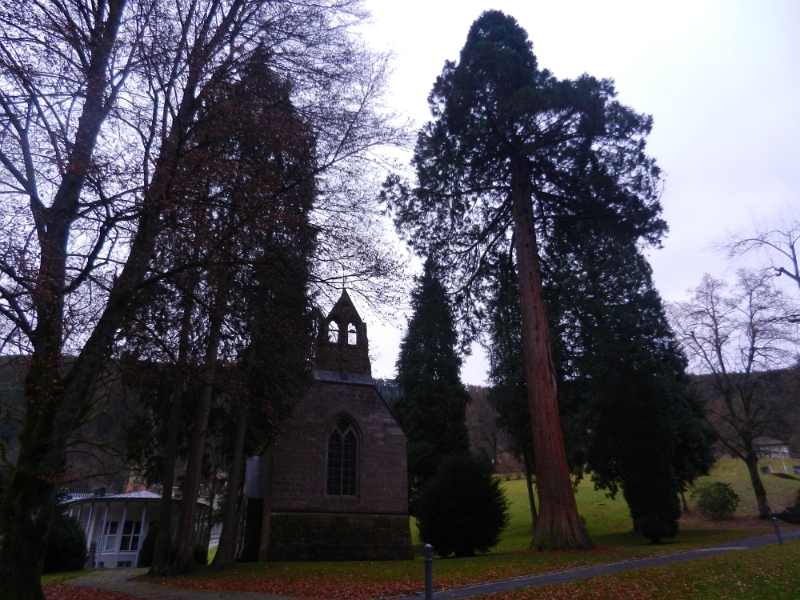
x=517, y=583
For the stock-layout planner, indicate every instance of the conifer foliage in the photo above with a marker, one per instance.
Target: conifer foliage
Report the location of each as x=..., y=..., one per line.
x=462, y=510
x=517, y=158
x=629, y=416
x=432, y=409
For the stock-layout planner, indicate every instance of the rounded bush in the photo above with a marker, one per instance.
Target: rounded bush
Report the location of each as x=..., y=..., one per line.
x=66, y=546
x=716, y=500
x=462, y=510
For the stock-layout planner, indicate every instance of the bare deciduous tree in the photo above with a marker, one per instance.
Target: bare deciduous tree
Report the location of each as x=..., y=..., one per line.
x=736, y=339
x=98, y=99
x=779, y=243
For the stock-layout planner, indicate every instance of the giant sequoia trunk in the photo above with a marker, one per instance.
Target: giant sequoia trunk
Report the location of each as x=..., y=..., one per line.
x=558, y=526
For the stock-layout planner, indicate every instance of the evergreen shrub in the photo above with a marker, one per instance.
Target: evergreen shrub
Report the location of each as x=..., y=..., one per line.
x=66, y=546
x=716, y=500
x=462, y=510
x=148, y=547
x=655, y=528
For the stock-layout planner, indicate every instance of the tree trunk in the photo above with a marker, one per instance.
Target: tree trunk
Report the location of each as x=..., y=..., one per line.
x=267, y=463
x=205, y=539
x=162, y=554
x=529, y=485
x=28, y=508
x=184, y=537
x=751, y=460
x=683, y=502
x=559, y=526
x=227, y=538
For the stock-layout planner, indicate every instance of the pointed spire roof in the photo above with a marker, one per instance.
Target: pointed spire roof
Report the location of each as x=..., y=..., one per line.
x=345, y=309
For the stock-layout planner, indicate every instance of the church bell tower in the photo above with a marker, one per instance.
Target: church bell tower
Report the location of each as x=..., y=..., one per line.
x=342, y=344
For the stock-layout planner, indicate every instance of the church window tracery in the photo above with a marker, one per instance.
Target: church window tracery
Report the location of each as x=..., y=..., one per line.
x=342, y=459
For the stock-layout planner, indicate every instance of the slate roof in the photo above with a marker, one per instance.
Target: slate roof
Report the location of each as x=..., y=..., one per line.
x=342, y=377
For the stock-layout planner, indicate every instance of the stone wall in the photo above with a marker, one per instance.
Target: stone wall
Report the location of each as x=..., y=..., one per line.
x=300, y=467
x=305, y=523
x=317, y=536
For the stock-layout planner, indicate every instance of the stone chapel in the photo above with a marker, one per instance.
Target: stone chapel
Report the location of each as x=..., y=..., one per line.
x=335, y=480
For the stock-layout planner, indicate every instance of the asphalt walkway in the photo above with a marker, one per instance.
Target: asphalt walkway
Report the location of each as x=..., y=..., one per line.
x=516, y=583
x=123, y=580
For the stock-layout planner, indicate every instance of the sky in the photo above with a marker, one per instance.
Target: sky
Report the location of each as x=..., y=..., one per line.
x=721, y=80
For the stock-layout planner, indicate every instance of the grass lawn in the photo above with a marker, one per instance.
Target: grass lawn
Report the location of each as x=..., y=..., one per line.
x=781, y=488
x=768, y=573
x=53, y=578
x=607, y=520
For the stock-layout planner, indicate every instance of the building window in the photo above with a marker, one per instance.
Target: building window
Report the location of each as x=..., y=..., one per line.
x=352, y=334
x=333, y=332
x=131, y=532
x=125, y=563
x=342, y=459
x=109, y=543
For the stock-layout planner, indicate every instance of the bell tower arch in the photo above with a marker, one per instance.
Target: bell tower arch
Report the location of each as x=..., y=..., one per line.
x=342, y=344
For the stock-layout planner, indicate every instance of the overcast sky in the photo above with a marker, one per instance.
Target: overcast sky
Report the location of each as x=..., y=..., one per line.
x=721, y=79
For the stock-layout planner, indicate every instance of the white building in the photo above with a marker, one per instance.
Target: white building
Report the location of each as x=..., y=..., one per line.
x=116, y=525
x=769, y=447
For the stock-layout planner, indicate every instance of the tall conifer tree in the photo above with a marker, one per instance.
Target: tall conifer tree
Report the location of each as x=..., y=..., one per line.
x=511, y=154
x=628, y=413
x=433, y=406
x=509, y=393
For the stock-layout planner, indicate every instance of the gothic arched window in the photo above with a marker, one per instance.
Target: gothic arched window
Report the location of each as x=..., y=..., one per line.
x=342, y=459
x=352, y=334
x=333, y=332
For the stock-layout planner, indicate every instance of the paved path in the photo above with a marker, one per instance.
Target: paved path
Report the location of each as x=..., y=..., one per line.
x=122, y=580
x=605, y=569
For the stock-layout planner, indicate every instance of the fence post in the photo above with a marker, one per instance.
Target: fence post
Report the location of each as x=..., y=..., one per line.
x=427, y=553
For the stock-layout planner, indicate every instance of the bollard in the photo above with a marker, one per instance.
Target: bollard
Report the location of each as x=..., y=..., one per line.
x=427, y=553
x=777, y=525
